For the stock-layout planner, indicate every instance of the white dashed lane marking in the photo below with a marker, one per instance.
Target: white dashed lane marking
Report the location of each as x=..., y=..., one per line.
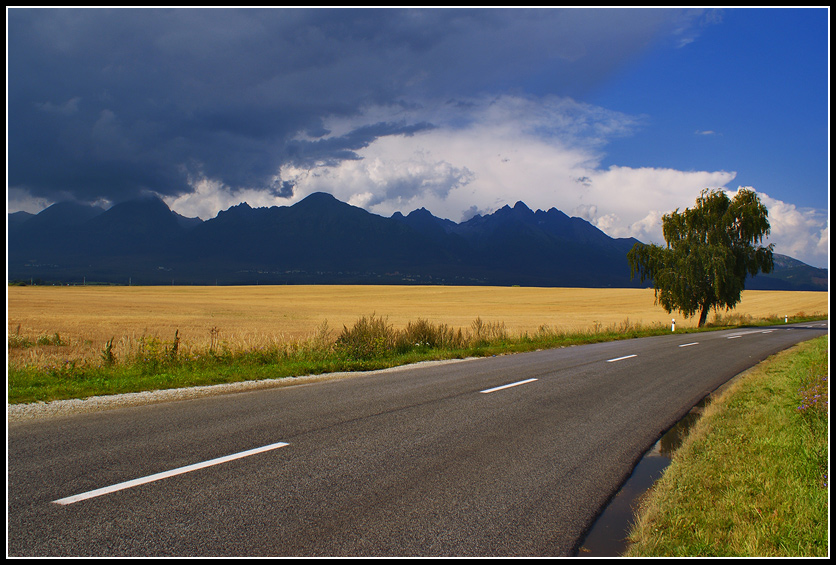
x=620, y=358
x=489, y=390
x=166, y=474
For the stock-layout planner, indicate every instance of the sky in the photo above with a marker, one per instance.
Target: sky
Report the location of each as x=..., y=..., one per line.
x=617, y=116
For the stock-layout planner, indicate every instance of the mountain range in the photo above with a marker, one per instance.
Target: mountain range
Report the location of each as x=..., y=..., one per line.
x=320, y=240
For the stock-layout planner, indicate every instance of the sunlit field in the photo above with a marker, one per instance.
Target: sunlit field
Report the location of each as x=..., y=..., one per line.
x=76, y=322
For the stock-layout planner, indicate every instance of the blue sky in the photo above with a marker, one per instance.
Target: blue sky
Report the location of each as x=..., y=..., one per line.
x=750, y=94
x=616, y=116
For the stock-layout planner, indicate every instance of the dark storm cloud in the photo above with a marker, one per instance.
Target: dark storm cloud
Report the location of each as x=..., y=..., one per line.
x=112, y=103
x=331, y=150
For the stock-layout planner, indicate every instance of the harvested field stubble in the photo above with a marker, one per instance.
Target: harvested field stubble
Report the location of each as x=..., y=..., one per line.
x=243, y=317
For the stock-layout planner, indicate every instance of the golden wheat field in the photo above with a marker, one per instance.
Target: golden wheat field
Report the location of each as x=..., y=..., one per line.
x=86, y=317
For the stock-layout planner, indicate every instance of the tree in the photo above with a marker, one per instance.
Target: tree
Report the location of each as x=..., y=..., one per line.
x=710, y=250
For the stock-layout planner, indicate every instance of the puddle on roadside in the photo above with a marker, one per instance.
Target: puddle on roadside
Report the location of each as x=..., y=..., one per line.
x=608, y=535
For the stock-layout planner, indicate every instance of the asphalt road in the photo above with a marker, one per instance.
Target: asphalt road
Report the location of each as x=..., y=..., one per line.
x=433, y=460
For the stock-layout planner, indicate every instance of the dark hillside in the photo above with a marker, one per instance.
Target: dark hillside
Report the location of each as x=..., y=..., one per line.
x=321, y=240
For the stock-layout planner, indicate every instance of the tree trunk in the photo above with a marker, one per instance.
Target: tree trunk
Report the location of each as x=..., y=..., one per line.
x=703, y=315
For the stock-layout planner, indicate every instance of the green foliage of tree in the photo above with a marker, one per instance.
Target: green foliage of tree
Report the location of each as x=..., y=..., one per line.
x=710, y=251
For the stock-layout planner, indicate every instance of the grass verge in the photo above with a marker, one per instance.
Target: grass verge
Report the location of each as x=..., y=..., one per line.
x=151, y=363
x=751, y=479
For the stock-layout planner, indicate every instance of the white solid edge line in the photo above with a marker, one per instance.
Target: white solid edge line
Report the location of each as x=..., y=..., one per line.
x=621, y=358
x=166, y=474
x=486, y=391
x=733, y=336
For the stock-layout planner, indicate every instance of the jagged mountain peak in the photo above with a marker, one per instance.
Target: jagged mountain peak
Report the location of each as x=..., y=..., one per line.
x=420, y=212
x=321, y=240
x=242, y=210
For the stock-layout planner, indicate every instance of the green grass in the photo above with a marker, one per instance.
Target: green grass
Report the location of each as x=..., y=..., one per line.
x=751, y=478
x=370, y=344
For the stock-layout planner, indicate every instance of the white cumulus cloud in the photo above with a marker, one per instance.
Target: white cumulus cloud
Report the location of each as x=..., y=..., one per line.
x=483, y=153
x=801, y=233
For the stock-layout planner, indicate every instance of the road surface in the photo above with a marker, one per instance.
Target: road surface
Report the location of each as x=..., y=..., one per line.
x=506, y=456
